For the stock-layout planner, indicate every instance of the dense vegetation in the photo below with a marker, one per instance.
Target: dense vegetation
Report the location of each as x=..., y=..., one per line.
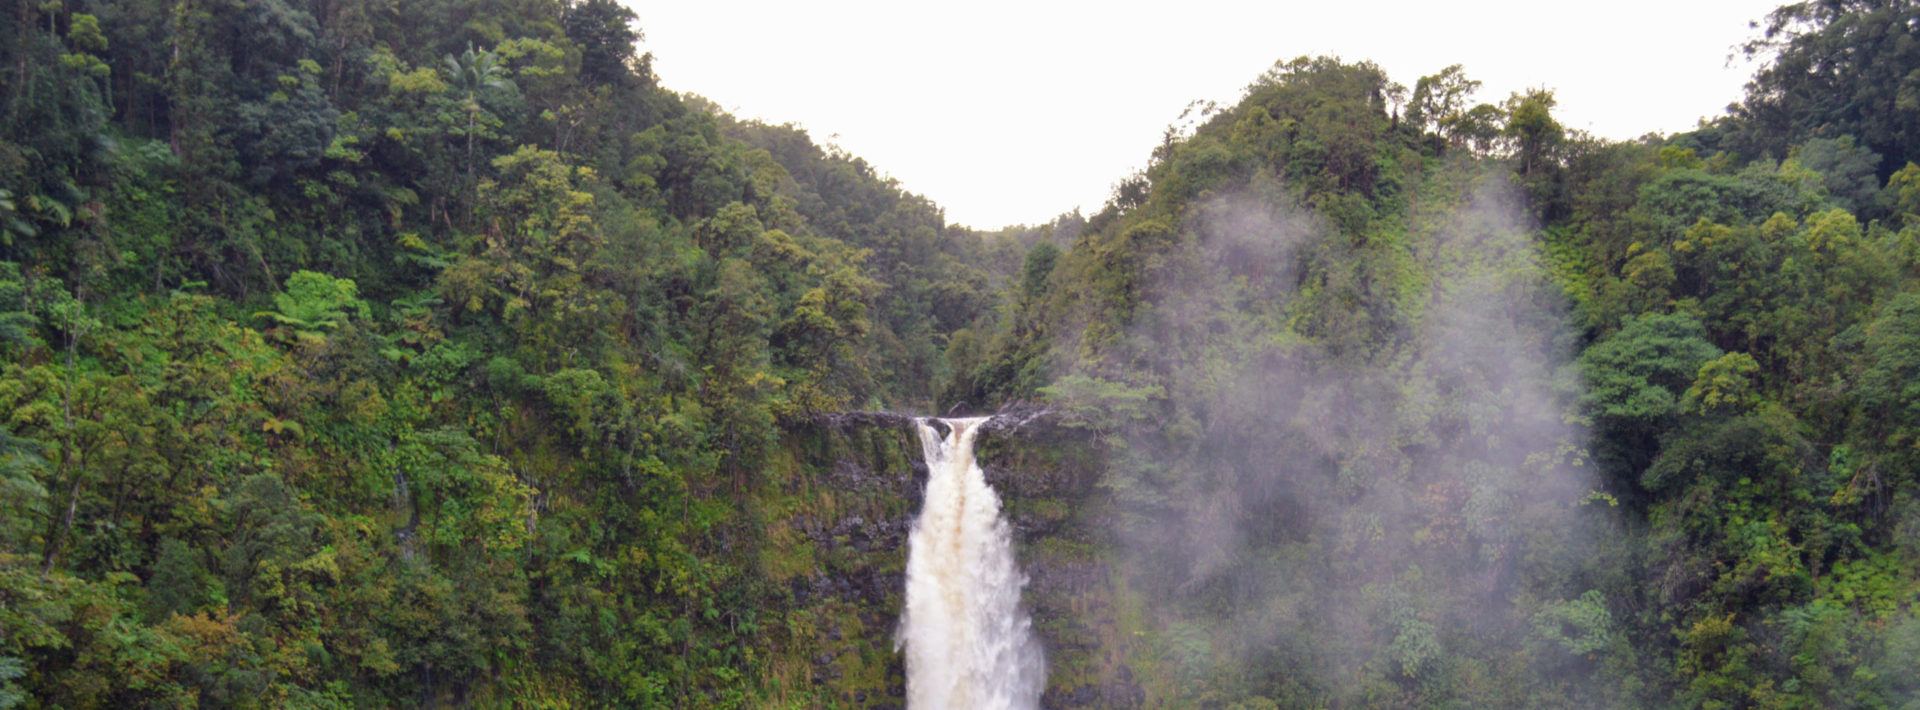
x=358, y=358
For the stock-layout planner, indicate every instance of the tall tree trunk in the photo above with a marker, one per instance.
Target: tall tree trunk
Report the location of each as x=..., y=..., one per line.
x=67, y=467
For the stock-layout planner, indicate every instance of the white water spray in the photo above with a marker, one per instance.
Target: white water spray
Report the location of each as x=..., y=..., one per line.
x=968, y=642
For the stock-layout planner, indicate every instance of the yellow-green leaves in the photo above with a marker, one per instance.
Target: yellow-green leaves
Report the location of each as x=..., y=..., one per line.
x=538, y=233
x=1725, y=384
x=314, y=303
x=422, y=80
x=83, y=34
x=1832, y=230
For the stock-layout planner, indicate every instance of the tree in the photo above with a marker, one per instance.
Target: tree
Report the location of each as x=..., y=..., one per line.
x=1536, y=136
x=1839, y=68
x=1440, y=100
x=475, y=74
x=1886, y=394
x=1848, y=171
x=1635, y=382
x=315, y=302
x=604, y=32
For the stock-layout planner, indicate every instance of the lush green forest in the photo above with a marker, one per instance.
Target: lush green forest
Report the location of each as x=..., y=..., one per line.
x=356, y=354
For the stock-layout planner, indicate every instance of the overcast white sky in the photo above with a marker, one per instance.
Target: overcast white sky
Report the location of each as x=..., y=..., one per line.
x=1014, y=112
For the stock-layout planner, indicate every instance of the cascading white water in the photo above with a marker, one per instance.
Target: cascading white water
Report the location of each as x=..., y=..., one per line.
x=968, y=642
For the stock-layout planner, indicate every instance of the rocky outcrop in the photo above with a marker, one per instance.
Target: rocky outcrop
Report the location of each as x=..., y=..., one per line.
x=1013, y=419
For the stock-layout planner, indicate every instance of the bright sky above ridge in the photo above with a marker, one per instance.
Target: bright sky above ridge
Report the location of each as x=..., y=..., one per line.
x=1014, y=112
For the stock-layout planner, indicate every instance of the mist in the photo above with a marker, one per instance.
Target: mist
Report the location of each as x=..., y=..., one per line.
x=1366, y=460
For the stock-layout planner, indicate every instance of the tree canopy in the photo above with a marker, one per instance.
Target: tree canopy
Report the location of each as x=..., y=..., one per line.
x=359, y=355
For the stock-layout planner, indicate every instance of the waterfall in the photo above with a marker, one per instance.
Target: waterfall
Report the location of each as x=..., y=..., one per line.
x=968, y=643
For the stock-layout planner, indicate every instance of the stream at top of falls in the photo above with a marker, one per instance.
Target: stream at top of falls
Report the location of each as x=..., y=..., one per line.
x=968, y=642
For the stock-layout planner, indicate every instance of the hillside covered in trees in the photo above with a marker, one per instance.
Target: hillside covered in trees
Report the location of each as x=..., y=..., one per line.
x=363, y=355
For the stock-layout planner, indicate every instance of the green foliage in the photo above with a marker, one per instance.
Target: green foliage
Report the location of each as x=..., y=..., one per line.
x=1439, y=103
x=1723, y=384
x=315, y=302
x=11, y=669
x=1883, y=416
x=1848, y=171
x=16, y=322
x=1580, y=627
x=1636, y=377
x=1903, y=189
x=1102, y=404
x=531, y=418
x=1835, y=69
x=526, y=474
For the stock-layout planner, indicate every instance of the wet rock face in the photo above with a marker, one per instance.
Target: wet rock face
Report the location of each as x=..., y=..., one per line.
x=865, y=588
